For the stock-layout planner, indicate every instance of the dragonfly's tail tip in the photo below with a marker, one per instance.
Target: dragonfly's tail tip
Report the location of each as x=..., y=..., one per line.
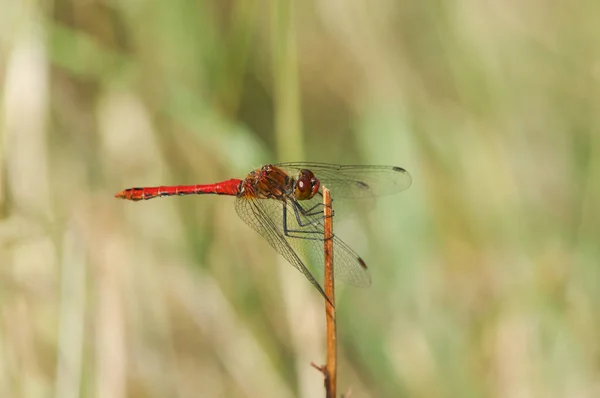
x=120, y=195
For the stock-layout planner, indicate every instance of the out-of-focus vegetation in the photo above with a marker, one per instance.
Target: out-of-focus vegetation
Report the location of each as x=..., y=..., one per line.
x=486, y=277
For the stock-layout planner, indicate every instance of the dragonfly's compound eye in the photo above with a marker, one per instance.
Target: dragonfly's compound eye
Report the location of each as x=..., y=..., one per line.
x=307, y=185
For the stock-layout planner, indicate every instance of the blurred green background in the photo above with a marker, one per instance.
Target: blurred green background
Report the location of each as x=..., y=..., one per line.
x=485, y=272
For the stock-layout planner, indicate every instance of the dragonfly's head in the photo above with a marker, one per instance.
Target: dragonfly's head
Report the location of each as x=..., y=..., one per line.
x=306, y=186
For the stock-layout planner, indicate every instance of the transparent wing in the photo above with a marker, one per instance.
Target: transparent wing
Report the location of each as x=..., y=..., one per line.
x=297, y=234
x=253, y=213
x=355, y=181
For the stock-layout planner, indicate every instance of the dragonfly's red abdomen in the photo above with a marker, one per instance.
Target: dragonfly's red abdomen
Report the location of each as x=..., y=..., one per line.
x=229, y=187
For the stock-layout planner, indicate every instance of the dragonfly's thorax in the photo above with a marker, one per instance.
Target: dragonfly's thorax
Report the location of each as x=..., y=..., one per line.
x=271, y=182
x=268, y=182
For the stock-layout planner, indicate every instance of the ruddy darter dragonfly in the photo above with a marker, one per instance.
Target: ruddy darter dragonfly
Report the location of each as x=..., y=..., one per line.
x=283, y=203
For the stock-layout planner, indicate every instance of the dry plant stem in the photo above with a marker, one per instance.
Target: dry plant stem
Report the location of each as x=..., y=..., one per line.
x=331, y=367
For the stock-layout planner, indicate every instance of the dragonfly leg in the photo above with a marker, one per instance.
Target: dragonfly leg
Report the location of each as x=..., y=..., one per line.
x=314, y=234
x=312, y=211
x=298, y=209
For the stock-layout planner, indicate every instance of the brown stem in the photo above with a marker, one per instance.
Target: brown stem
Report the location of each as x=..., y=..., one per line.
x=331, y=367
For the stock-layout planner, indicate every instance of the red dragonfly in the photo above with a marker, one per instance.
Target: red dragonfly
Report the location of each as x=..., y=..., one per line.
x=283, y=203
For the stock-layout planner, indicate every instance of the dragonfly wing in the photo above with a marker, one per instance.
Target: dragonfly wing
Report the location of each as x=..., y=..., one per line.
x=303, y=234
x=256, y=215
x=355, y=181
x=350, y=267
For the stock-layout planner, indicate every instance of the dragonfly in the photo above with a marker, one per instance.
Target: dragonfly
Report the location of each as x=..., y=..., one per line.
x=283, y=203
